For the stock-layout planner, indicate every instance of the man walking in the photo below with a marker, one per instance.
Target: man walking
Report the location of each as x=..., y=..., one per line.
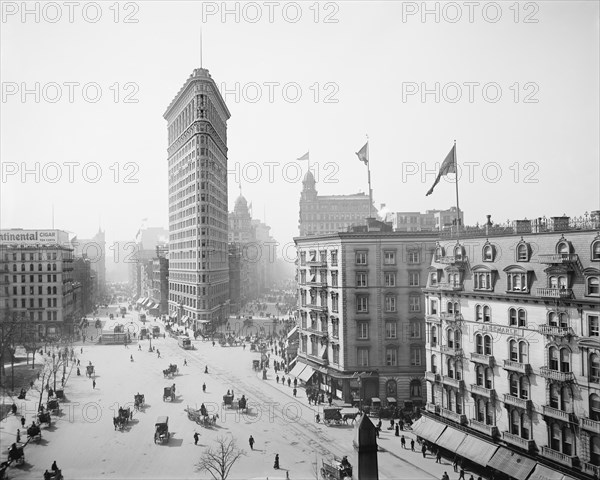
x=94, y=384
x=412, y=445
x=403, y=442
x=196, y=436
x=251, y=442
x=438, y=457
x=424, y=450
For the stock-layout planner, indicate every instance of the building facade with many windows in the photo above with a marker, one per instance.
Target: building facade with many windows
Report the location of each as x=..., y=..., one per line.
x=197, y=162
x=361, y=313
x=513, y=345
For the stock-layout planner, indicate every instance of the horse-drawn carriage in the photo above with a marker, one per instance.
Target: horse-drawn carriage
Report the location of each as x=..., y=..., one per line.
x=161, y=430
x=53, y=406
x=228, y=401
x=44, y=417
x=243, y=404
x=89, y=370
x=349, y=413
x=16, y=453
x=256, y=365
x=201, y=417
x=53, y=475
x=169, y=393
x=34, y=431
x=171, y=371
x=138, y=401
x=338, y=470
x=123, y=417
x=332, y=415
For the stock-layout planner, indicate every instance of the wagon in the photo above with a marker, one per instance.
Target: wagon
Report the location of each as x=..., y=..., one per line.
x=138, y=401
x=53, y=406
x=16, y=453
x=332, y=415
x=169, y=393
x=34, y=431
x=228, y=401
x=336, y=470
x=375, y=406
x=44, y=417
x=161, y=430
x=173, y=369
x=89, y=370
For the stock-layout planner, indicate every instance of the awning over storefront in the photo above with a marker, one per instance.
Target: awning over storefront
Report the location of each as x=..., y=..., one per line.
x=173, y=315
x=428, y=429
x=450, y=439
x=544, y=473
x=297, y=369
x=140, y=300
x=292, y=331
x=476, y=450
x=391, y=400
x=306, y=374
x=145, y=302
x=512, y=463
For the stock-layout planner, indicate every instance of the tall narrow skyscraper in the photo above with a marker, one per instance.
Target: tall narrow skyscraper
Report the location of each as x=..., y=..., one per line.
x=198, y=217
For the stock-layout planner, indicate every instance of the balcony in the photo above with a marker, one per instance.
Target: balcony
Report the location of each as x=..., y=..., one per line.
x=451, y=317
x=519, y=367
x=317, y=263
x=316, y=283
x=455, y=417
x=555, y=331
x=484, y=392
x=453, y=287
x=432, y=408
x=317, y=308
x=568, y=460
x=517, y=402
x=489, y=430
x=316, y=331
x=557, y=376
x=558, y=258
x=487, y=360
x=518, y=441
x=453, y=382
x=591, y=469
x=557, y=414
x=589, y=425
x=451, y=351
x=452, y=260
x=432, y=377
x=554, y=292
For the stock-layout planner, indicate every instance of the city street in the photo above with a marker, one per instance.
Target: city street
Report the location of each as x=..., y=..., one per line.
x=85, y=444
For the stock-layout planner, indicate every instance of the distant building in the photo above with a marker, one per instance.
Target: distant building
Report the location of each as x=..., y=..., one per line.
x=323, y=214
x=428, y=221
x=360, y=301
x=37, y=285
x=94, y=249
x=197, y=168
x=84, y=274
x=513, y=342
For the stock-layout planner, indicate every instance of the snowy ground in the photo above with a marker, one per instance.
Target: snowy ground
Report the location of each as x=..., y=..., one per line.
x=85, y=445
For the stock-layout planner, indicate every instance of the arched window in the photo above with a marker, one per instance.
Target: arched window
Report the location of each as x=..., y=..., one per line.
x=487, y=345
x=479, y=344
x=14, y=267
x=512, y=317
x=457, y=339
x=489, y=376
x=596, y=251
x=487, y=315
x=450, y=399
x=555, y=396
x=457, y=308
x=555, y=437
x=433, y=336
x=522, y=253
x=489, y=414
x=480, y=410
x=450, y=337
x=458, y=370
x=593, y=286
x=22, y=267
x=524, y=388
x=415, y=388
x=53, y=290
x=522, y=315
x=49, y=267
x=595, y=450
x=439, y=252
x=563, y=248
x=458, y=252
x=514, y=351
x=49, y=291
x=488, y=253
x=553, y=319
x=39, y=267
x=31, y=268
x=514, y=384
x=567, y=446
x=595, y=368
x=553, y=357
x=525, y=426
x=459, y=403
x=515, y=421
x=595, y=407
x=433, y=364
x=450, y=364
x=480, y=375
x=566, y=399
x=478, y=313
x=450, y=307
x=523, y=352
x=565, y=360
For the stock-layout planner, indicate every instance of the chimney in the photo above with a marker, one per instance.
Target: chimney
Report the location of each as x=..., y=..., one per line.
x=560, y=223
x=522, y=226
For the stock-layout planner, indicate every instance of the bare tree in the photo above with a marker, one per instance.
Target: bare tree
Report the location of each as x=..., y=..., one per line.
x=219, y=459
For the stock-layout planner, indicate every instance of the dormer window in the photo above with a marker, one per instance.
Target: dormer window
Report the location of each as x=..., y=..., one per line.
x=523, y=252
x=517, y=279
x=439, y=252
x=483, y=278
x=563, y=247
x=459, y=252
x=488, y=253
x=596, y=250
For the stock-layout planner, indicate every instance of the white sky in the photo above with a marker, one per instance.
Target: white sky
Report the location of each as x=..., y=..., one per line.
x=370, y=56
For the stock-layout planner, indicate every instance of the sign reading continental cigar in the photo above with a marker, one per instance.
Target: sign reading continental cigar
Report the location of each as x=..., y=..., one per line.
x=33, y=237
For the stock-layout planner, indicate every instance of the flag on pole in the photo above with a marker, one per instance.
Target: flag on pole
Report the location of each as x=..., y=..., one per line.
x=448, y=166
x=363, y=154
x=304, y=157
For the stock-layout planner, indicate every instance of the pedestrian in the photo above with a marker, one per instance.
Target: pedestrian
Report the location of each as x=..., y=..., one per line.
x=204, y=388
x=82, y=348
x=251, y=442
x=397, y=432
x=18, y=435
x=471, y=477
x=54, y=467
x=77, y=365
x=283, y=381
x=438, y=457
x=462, y=473
x=196, y=436
x=424, y=450
x=412, y=445
x=139, y=347
x=276, y=463
x=185, y=362
x=289, y=382
x=277, y=378
x=455, y=463
x=445, y=476
x=403, y=441
x=295, y=391
x=22, y=421
x=94, y=384
x=295, y=382
x=401, y=425
x=158, y=353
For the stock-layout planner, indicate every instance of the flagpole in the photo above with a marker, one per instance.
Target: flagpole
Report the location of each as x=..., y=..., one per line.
x=456, y=184
x=369, y=177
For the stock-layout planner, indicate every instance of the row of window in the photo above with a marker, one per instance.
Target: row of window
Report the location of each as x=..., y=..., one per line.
x=391, y=329
x=49, y=267
x=39, y=256
x=389, y=257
